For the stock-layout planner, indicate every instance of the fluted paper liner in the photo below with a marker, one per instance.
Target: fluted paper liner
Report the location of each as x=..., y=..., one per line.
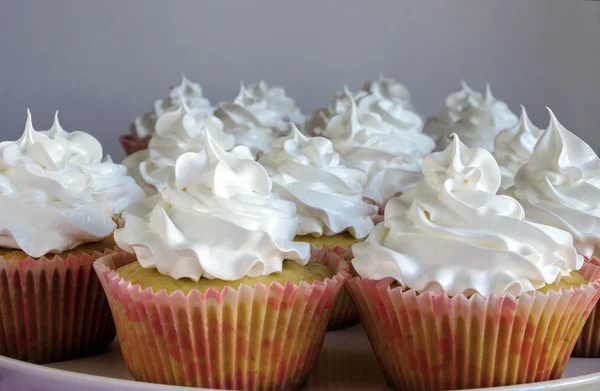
x=436, y=342
x=132, y=143
x=344, y=313
x=53, y=308
x=588, y=344
x=262, y=338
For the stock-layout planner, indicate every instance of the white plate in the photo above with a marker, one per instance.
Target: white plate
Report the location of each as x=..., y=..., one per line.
x=346, y=363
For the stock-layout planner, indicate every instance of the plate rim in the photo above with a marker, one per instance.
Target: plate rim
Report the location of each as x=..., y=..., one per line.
x=36, y=369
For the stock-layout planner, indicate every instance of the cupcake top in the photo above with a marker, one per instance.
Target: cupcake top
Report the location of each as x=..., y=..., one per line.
x=453, y=234
x=58, y=191
x=216, y=218
x=390, y=157
x=185, y=92
x=178, y=130
x=385, y=96
x=513, y=147
x=389, y=89
x=560, y=186
x=392, y=112
x=475, y=117
x=328, y=195
x=258, y=115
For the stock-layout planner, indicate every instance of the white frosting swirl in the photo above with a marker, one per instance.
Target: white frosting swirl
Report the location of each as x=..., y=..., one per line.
x=560, y=186
x=386, y=97
x=258, y=115
x=475, y=117
x=391, y=112
x=57, y=191
x=328, y=196
x=513, y=147
x=178, y=130
x=186, y=92
x=390, y=157
x=453, y=234
x=340, y=102
x=217, y=218
x=389, y=89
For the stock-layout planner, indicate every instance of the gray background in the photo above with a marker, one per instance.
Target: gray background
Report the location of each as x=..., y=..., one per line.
x=103, y=62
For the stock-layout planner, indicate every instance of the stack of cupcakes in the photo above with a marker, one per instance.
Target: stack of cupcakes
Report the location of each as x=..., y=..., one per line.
x=481, y=270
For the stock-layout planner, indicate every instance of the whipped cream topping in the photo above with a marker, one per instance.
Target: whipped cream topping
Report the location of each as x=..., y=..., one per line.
x=477, y=118
x=216, y=218
x=58, y=192
x=186, y=92
x=390, y=157
x=178, y=130
x=560, y=186
x=513, y=147
x=389, y=89
x=258, y=115
x=391, y=112
x=340, y=102
x=453, y=234
x=385, y=96
x=328, y=196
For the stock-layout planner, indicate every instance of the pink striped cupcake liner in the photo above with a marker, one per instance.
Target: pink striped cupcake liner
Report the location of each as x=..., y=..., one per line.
x=132, y=143
x=436, y=342
x=344, y=313
x=260, y=338
x=53, y=309
x=588, y=344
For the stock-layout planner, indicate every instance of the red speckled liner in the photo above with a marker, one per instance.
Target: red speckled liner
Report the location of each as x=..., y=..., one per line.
x=436, y=342
x=53, y=309
x=132, y=143
x=344, y=313
x=261, y=338
x=588, y=344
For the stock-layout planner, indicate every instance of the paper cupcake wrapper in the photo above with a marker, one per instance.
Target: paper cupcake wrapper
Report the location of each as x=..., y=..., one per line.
x=344, y=313
x=261, y=337
x=132, y=143
x=377, y=218
x=436, y=342
x=53, y=309
x=588, y=344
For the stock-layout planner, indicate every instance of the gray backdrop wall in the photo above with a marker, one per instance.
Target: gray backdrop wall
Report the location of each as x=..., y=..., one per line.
x=103, y=62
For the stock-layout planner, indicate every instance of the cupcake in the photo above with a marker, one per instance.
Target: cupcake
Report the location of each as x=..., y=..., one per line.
x=143, y=127
x=513, y=148
x=457, y=290
x=390, y=156
x=477, y=118
x=61, y=199
x=385, y=96
x=328, y=198
x=560, y=186
x=178, y=130
x=211, y=287
x=258, y=115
